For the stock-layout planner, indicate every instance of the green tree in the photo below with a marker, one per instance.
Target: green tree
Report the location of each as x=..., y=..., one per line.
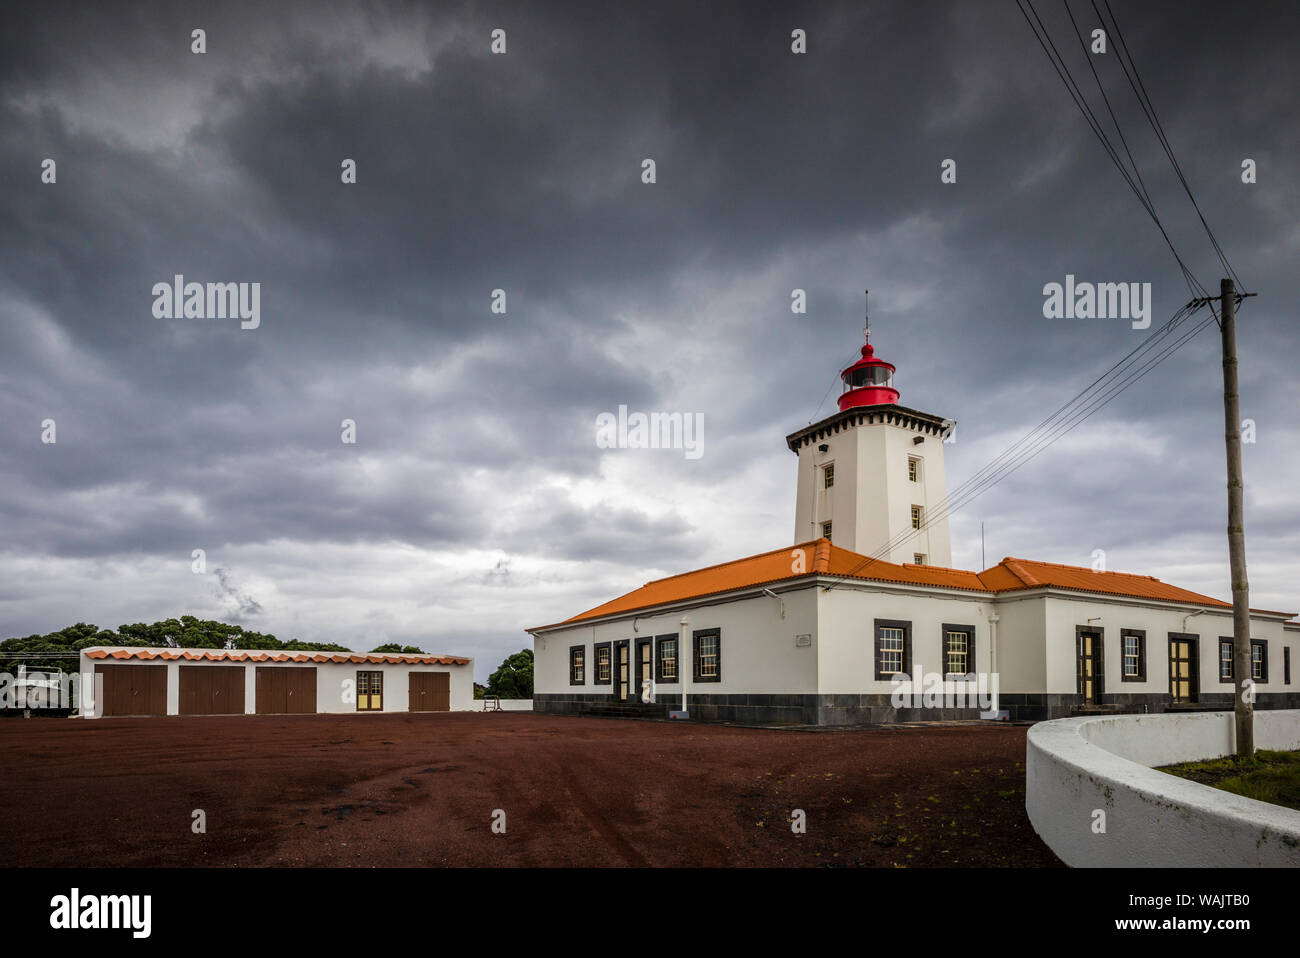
x=297, y=645
x=514, y=679
x=59, y=650
x=396, y=648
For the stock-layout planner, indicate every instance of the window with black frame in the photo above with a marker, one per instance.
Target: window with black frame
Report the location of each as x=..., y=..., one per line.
x=1259, y=660
x=708, y=655
x=893, y=648
x=1225, y=660
x=958, y=650
x=1133, y=655
x=666, y=659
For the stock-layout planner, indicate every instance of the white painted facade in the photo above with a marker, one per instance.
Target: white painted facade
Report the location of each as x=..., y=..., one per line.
x=1027, y=640
x=771, y=660
x=873, y=492
x=846, y=616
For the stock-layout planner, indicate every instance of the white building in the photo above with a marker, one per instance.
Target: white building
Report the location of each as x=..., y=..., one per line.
x=163, y=681
x=818, y=633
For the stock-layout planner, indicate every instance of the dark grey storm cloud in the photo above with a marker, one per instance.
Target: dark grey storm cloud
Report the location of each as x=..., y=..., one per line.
x=475, y=501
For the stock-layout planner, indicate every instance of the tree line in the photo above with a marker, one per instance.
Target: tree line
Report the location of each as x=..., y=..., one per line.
x=62, y=649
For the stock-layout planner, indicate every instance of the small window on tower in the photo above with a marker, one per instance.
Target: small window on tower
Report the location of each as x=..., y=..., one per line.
x=826, y=530
x=913, y=470
x=830, y=475
x=918, y=558
x=916, y=517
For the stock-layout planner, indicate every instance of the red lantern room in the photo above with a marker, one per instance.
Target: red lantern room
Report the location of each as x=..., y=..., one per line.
x=869, y=381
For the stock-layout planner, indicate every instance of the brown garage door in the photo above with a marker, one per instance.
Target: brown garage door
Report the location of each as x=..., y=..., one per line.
x=134, y=689
x=285, y=691
x=430, y=692
x=212, y=690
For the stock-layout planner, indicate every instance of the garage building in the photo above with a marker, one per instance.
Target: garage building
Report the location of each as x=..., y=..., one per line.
x=159, y=681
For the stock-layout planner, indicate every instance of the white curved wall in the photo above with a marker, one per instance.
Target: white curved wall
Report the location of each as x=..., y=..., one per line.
x=1078, y=767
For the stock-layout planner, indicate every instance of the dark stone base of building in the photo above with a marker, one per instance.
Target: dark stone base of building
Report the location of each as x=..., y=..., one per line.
x=741, y=709
x=848, y=710
x=1039, y=707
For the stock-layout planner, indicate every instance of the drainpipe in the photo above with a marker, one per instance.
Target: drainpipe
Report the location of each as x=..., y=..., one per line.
x=684, y=656
x=1190, y=615
x=994, y=618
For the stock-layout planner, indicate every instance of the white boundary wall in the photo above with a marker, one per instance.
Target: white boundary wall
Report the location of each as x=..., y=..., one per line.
x=1077, y=766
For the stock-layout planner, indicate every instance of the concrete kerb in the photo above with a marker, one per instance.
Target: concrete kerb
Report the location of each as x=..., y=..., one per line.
x=1094, y=797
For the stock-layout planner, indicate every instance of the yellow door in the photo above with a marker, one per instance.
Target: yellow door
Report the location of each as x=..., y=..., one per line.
x=1182, y=676
x=1087, y=668
x=370, y=691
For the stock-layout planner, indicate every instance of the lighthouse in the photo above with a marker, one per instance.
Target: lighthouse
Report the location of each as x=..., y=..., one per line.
x=871, y=476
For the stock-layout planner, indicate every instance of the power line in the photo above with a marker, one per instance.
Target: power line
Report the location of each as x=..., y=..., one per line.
x=1054, y=56
x=1010, y=461
x=817, y=412
x=1076, y=418
x=1026, y=456
x=1051, y=422
x=1102, y=90
x=1149, y=110
x=1143, y=358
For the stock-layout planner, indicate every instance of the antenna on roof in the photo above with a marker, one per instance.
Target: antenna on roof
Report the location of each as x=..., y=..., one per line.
x=866, y=314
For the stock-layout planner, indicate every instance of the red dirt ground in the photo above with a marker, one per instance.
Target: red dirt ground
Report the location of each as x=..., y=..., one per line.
x=420, y=789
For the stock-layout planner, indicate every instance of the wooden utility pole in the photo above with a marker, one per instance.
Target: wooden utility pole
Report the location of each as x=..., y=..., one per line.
x=1244, y=701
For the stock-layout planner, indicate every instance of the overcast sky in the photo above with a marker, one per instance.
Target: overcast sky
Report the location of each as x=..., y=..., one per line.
x=475, y=500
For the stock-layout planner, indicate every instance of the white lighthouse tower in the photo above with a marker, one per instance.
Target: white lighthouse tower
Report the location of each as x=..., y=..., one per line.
x=871, y=476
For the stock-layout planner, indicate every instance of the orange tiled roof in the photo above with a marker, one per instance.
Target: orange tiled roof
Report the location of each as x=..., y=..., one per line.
x=229, y=655
x=824, y=558
x=819, y=556
x=1011, y=574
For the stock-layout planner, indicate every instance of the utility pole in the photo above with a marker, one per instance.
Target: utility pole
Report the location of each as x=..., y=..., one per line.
x=1244, y=701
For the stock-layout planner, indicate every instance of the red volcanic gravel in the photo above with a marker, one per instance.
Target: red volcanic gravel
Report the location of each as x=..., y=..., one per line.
x=422, y=789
